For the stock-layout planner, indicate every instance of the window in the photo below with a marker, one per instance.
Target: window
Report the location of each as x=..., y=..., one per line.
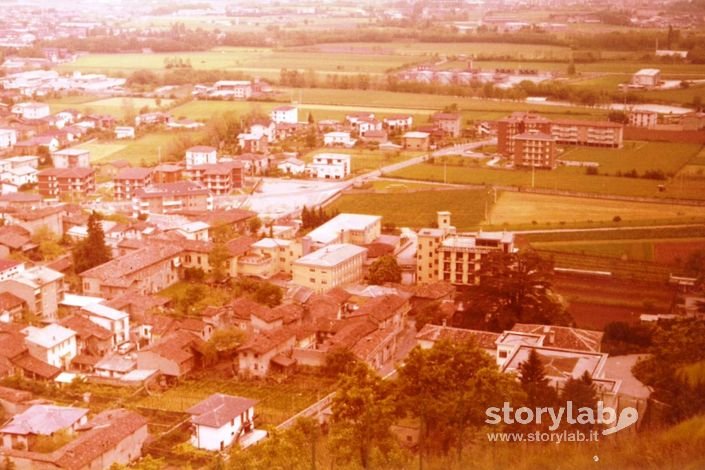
x=502, y=354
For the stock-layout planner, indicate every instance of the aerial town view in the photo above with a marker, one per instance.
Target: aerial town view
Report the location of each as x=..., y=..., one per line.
x=395, y=234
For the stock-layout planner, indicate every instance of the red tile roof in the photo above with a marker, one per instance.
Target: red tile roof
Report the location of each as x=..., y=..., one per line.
x=219, y=409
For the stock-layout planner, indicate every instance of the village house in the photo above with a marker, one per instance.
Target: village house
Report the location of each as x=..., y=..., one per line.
x=263, y=128
x=417, y=141
x=10, y=268
x=253, y=163
x=168, y=198
x=146, y=270
x=238, y=89
x=449, y=123
x=52, y=344
x=221, y=420
x=398, y=122
x=40, y=288
x=50, y=217
x=91, y=338
x=113, y=320
x=129, y=180
x=292, y=166
x=265, y=350
x=285, y=115
x=112, y=437
x=174, y=355
x=338, y=139
x=335, y=166
x=167, y=173
x=11, y=308
x=31, y=111
x=124, y=132
x=251, y=143
x=8, y=138
x=41, y=420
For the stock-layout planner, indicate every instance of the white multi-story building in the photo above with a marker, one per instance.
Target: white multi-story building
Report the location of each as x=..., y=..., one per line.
x=8, y=138
x=333, y=166
x=113, y=320
x=338, y=139
x=53, y=344
x=71, y=158
x=31, y=111
x=240, y=89
x=643, y=118
x=285, y=115
x=647, y=78
x=201, y=155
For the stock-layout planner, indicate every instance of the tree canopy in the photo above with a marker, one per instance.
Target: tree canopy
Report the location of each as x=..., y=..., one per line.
x=385, y=269
x=92, y=251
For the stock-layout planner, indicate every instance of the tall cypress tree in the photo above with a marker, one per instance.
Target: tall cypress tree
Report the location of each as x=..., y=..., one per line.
x=92, y=251
x=539, y=392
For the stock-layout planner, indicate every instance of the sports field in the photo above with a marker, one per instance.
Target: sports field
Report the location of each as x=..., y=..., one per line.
x=518, y=209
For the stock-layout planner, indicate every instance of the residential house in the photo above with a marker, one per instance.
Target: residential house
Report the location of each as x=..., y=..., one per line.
x=330, y=166
x=256, y=355
x=41, y=289
x=129, y=180
x=292, y=166
x=254, y=164
x=167, y=173
x=31, y=111
x=398, y=122
x=365, y=125
x=200, y=155
x=91, y=338
x=417, y=141
x=285, y=115
x=238, y=89
x=11, y=308
x=19, y=177
x=174, y=355
x=124, y=132
x=221, y=420
x=449, y=123
x=219, y=178
x=66, y=182
x=358, y=229
x=8, y=138
x=113, y=320
x=71, y=158
x=41, y=420
x=646, y=78
x=50, y=217
x=534, y=149
x=53, y=344
x=146, y=271
x=252, y=143
x=338, y=139
x=643, y=118
x=10, y=268
x=167, y=198
x=263, y=128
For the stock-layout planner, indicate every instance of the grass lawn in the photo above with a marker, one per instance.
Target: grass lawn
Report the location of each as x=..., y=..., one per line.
x=641, y=156
x=362, y=160
x=276, y=401
x=117, y=107
x=143, y=150
x=516, y=209
x=399, y=186
x=418, y=209
x=100, y=151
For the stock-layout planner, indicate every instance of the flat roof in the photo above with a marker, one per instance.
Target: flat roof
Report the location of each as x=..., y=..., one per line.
x=329, y=231
x=331, y=255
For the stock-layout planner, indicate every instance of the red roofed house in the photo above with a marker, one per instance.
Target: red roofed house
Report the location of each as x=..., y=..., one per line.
x=221, y=420
x=175, y=355
x=129, y=180
x=450, y=123
x=168, y=198
x=256, y=356
x=58, y=182
x=146, y=271
x=219, y=178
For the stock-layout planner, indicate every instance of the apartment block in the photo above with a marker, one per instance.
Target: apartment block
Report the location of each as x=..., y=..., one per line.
x=329, y=267
x=58, y=182
x=129, y=180
x=534, y=149
x=168, y=198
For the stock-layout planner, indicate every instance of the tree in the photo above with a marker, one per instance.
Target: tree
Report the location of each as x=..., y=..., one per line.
x=448, y=388
x=218, y=260
x=364, y=408
x=92, y=251
x=539, y=392
x=385, y=269
x=48, y=243
x=254, y=225
x=581, y=393
x=516, y=287
x=310, y=118
x=339, y=361
x=695, y=264
x=268, y=294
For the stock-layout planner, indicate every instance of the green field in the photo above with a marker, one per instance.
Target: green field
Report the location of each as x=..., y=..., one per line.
x=118, y=107
x=418, y=209
x=514, y=208
x=563, y=178
x=143, y=150
x=641, y=156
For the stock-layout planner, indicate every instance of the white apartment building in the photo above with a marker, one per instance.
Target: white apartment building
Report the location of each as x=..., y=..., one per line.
x=53, y=344
x=329, y=267
x=333, y=166
x=285, y=115
x=200, y=155
x=8, y=138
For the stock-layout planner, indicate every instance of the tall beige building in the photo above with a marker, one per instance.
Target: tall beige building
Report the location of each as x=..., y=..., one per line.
x=444, y=255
